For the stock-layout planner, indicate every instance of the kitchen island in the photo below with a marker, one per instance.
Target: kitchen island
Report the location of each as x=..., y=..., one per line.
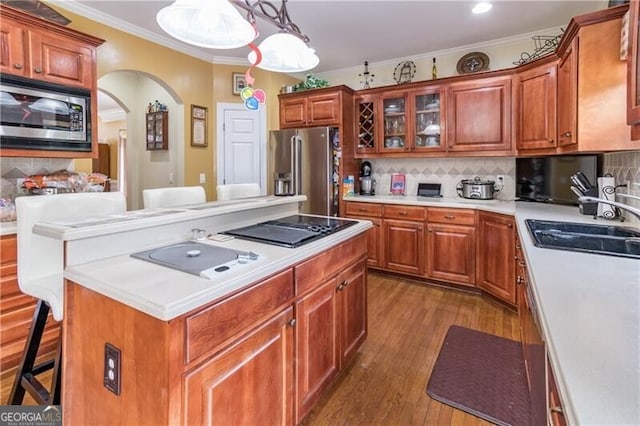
x=146, y=344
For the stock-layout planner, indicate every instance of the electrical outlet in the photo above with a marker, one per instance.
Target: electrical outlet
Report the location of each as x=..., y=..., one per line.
x=112, y=368
x=172, y=178
x=203, y=178
x=501, y=179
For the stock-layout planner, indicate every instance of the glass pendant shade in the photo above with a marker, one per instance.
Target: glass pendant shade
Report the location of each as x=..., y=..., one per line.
x=284, y=52
x=215, y=24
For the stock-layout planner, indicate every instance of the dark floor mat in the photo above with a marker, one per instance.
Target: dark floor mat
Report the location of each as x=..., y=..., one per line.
x=483, y=375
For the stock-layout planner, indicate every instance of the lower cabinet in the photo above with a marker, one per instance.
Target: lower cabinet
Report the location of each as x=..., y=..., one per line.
x=331, y=325
x=496, y=255
x=555, y=414
x=451, y=250
x=403, y=246
x=374, y=235
x=250, y=382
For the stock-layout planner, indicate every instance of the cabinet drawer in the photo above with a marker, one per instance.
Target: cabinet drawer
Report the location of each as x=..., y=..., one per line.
x=364, y=209
x=214, y=325
x=454, y=216
x=318, y=269
x=8, y=249
x=404, y=212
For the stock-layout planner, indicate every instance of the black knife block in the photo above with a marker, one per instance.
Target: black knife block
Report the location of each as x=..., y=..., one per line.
x=589, y=208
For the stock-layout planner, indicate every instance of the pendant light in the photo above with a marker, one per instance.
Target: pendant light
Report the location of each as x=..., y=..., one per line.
x=284, y=52
x=215, y=24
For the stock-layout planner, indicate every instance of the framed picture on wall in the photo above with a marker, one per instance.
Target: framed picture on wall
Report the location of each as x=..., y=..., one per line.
x=198, y=125
x=239, y=82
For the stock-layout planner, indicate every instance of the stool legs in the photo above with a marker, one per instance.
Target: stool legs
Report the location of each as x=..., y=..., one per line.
x=25, y=376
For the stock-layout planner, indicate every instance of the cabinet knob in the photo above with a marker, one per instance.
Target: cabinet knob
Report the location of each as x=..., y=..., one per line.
x=449, y=216
x=430, y=230
x=510, y=225
x=519, y=280
x=567, y=134
x=403, y=213
x=17, y=66
x=341, y=286
x=551, y=140
x=557, y=409
x=292, y=322
x=37, y=70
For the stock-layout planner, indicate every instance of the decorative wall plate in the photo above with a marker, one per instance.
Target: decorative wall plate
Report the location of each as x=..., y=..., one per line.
x=473, y=62
x=404, y=72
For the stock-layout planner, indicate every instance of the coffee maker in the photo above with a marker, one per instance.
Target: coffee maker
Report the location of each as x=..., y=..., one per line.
x=367, y=183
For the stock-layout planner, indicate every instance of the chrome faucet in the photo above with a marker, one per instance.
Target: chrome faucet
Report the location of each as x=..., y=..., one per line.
x=632, y=210
x=633, y=197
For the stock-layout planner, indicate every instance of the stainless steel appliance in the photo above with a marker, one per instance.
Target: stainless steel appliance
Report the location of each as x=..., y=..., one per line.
x=366, y=180
x=477, y=189
x=311, y=158
x=291, y=231
x=44, y=116
x=282, y=184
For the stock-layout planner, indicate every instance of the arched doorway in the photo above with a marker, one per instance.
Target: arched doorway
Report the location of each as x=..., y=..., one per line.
x=133, y=91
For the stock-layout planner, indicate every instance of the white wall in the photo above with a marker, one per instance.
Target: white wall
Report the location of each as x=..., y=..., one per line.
x=502, y=53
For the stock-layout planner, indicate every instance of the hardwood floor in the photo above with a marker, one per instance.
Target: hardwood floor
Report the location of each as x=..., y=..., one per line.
x=386, y=382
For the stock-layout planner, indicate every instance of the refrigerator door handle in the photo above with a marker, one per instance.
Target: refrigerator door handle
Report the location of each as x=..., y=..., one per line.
x=292, y=146
x=297, y=170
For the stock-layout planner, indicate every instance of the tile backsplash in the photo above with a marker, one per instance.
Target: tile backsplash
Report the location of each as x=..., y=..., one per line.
x=14, y=168
x=446, y=171
x=625, y=168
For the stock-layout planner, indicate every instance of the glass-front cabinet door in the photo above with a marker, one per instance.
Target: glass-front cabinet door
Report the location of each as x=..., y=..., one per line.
x=366, y=131
x=395, y=123
x=427, y=121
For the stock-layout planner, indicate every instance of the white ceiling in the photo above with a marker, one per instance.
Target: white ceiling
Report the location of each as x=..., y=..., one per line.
x=345, y=33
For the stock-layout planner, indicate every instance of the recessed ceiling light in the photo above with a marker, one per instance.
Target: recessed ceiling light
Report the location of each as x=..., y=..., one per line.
x=481, y=7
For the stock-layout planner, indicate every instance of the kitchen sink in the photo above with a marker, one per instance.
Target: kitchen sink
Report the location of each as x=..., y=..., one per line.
x=599, y=239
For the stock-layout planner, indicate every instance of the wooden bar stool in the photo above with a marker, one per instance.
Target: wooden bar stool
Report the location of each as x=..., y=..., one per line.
x=40, y=274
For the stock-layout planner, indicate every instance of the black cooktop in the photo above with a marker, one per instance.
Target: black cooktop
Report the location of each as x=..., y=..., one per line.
x=291, y=231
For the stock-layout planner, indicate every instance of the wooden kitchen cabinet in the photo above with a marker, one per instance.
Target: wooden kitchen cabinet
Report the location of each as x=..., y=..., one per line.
x=331, y=325
x=535, y=117
x=312, y=108
x=16, y=313
x=367, y=136
x=451, y=246
x=478, y=115
x=496, y=256
x=317, y=341
x=259, y=365
x=40, y=49
x=594, y=118
x=427, y=105
x=403, y=231
x=568, y=96
x=372, y=212
x=555, y=414
x=633, y=68
x=393, y=127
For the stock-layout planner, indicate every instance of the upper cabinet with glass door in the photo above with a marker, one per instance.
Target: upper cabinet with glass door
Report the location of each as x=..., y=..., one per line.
x=395, y=123
x=427, y=104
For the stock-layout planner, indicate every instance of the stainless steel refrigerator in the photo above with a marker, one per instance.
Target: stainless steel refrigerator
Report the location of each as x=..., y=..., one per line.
x=311, y=156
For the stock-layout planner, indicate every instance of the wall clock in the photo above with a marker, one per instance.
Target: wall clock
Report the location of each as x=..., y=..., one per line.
x=404, y=72
x=473, y=62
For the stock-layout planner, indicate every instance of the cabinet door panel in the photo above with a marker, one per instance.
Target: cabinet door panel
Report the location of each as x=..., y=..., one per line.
x=451, y=253
x=323, y=110
x=537, y=108
x=568, y=96
x=293, y=113
x=353, y=315
x=251, y=382
x=12, y=48
x=367, y=136
x=633, y=70
x=479, y=116
x=404, y=246
x=496, y=253
x=317, y=355
x=60, y=61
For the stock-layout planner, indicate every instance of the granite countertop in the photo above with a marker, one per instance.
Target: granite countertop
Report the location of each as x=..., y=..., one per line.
x=495, y=206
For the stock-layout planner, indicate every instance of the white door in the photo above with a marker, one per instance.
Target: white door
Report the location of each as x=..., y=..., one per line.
x=241, y=145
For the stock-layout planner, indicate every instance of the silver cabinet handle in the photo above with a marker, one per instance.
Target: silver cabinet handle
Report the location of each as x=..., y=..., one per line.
x=17, y=66
x=567, y=134
x=292, y=322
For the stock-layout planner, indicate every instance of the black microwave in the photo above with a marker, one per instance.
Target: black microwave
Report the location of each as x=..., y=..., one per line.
x=44, y=116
